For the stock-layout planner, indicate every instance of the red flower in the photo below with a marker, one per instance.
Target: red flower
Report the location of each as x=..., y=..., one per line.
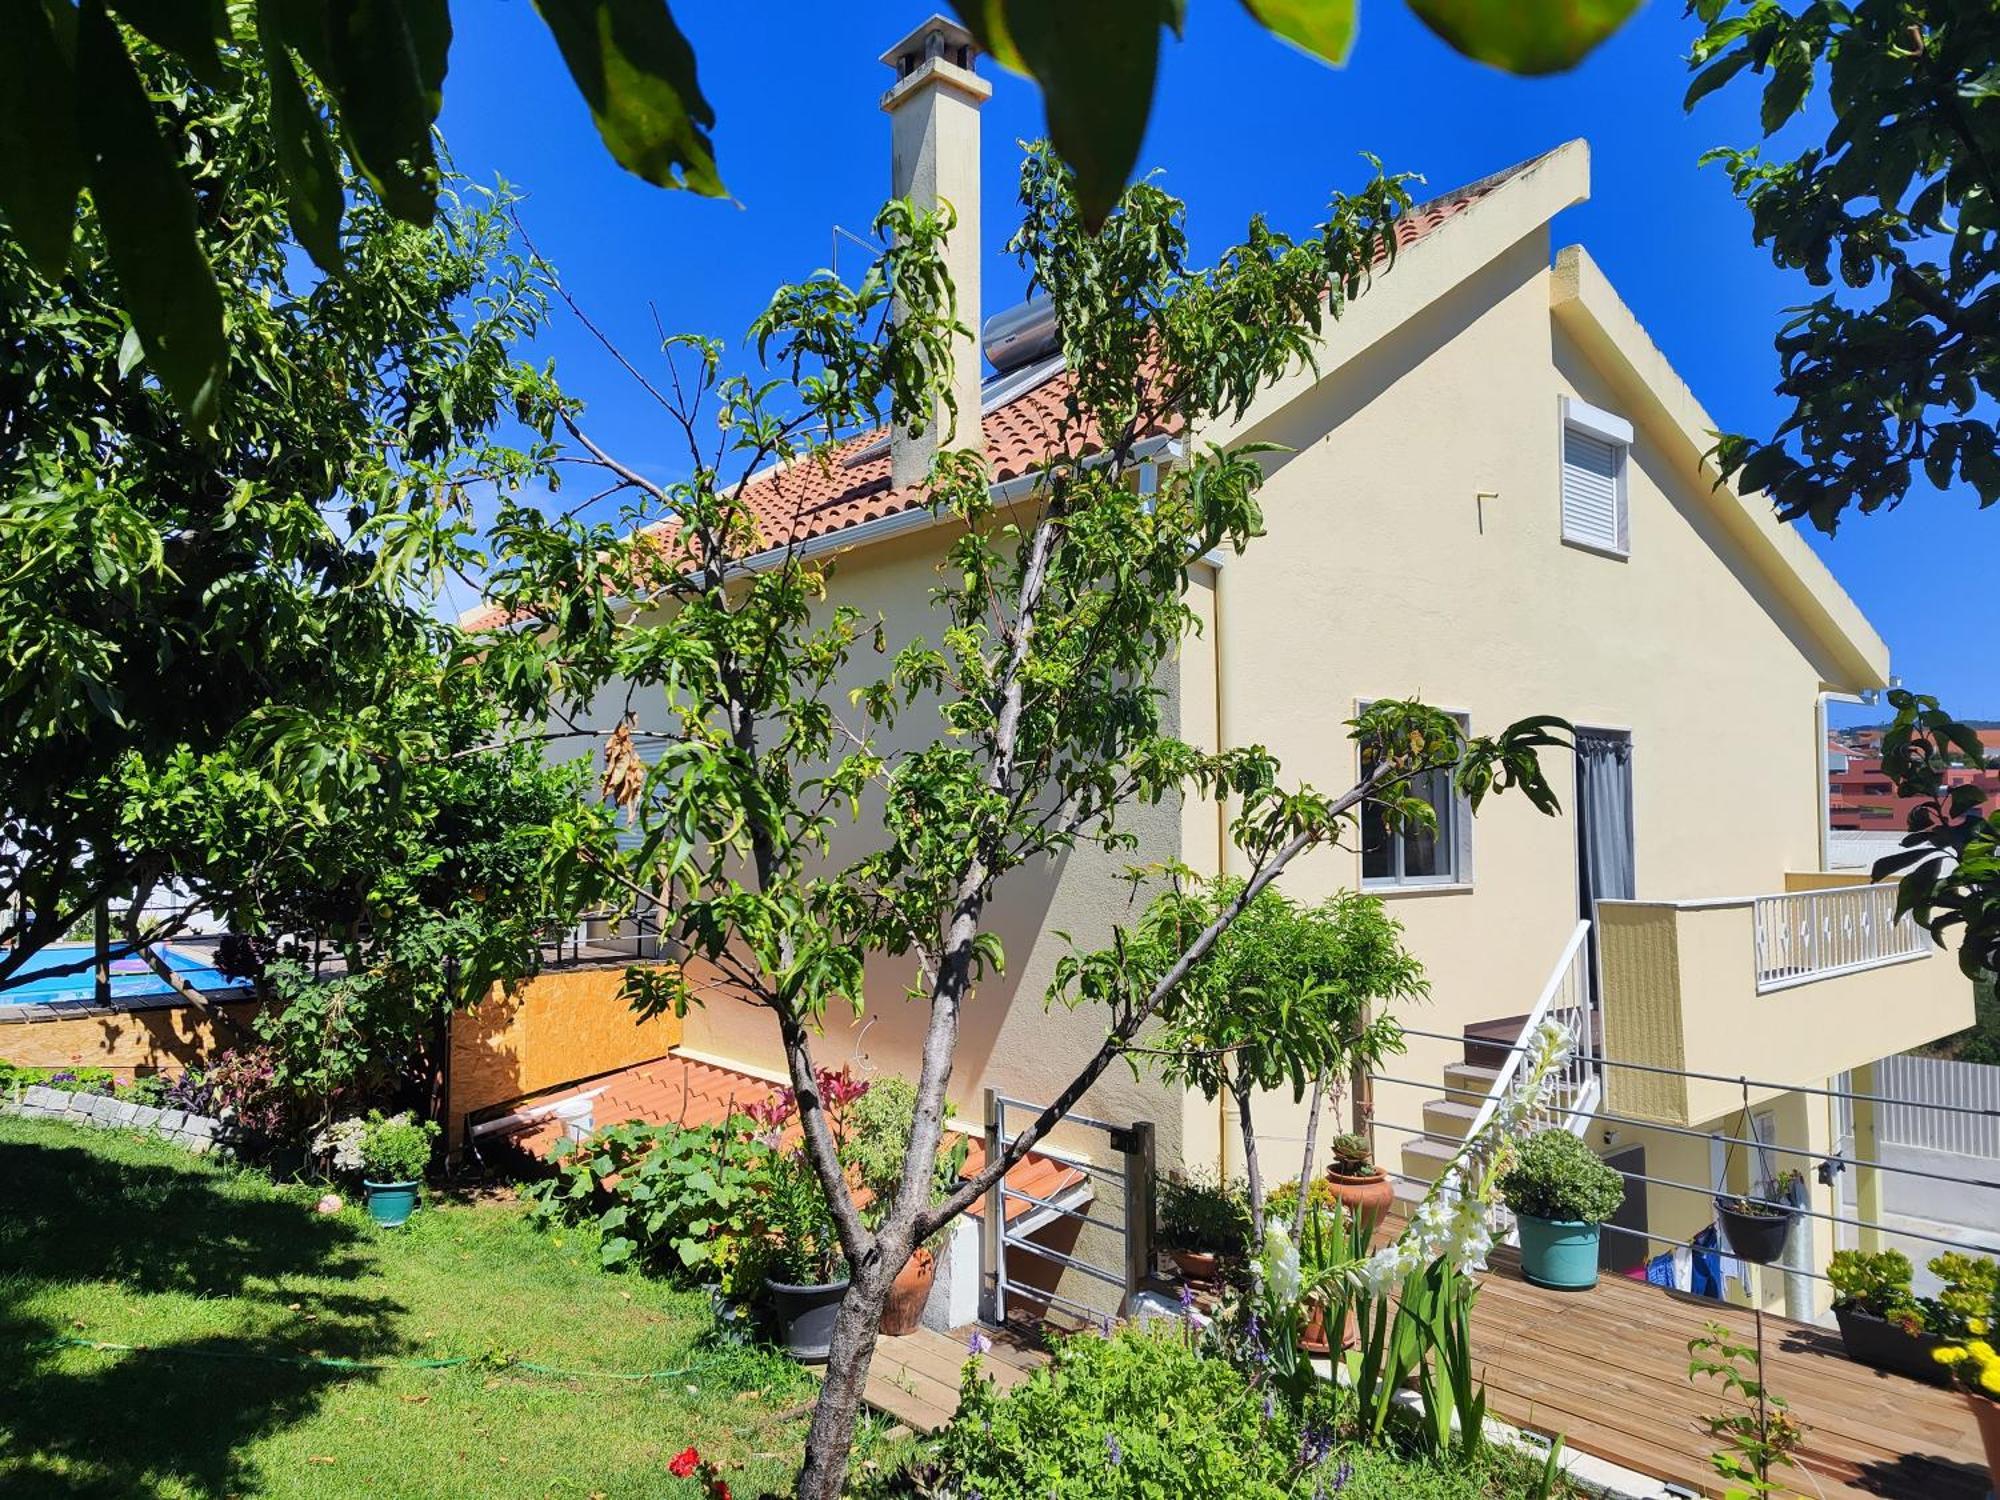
x=718, y=1489
x=685, y=1463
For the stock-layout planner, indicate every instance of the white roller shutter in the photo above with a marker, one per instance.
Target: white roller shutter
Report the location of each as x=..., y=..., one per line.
x=1593, y=491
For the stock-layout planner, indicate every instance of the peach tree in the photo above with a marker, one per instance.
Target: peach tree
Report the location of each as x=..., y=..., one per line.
x=807, y=798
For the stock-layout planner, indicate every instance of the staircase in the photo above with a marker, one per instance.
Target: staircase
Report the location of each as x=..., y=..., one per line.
x=1487, y=1067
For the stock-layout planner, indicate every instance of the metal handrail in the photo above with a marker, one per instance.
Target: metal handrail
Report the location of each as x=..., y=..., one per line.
x=1510, y=1071
x=1755, y=1083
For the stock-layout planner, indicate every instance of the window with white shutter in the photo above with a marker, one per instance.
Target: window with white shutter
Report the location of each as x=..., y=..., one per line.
x=1595, y=447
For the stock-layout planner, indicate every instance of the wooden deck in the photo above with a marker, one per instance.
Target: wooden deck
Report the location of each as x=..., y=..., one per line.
x=915, y=1376
x=1608, y=1370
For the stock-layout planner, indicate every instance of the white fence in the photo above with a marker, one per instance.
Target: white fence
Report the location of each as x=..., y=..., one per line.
x=1933, y=1080
x=1807, y=935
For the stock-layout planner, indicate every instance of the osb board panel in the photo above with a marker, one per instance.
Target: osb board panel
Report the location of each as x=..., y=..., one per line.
x=559, y=1025
x=163, y=1040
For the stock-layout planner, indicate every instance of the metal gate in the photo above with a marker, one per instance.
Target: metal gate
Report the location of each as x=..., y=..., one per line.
x=1110, y=1228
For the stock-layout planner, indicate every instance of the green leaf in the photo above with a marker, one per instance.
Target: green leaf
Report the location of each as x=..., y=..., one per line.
x=388, y=58
x=1714, y=76
x=1096, y=65
x=313, y=201
x=186, y=28
x=1525, y=36
x=148, y=214
x=38, y=187
x=1325, y=28
x=637, y=73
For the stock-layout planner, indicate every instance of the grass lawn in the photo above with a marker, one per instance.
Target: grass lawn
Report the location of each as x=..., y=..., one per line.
x=228, y=1280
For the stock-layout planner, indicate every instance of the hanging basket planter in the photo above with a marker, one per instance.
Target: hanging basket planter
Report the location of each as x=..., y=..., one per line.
x=1756, y=1231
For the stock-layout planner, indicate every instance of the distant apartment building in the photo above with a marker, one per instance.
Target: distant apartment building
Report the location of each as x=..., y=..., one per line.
x=1860, y=795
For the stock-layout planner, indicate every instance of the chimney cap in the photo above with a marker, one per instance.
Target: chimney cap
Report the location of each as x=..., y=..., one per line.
x=939, y=37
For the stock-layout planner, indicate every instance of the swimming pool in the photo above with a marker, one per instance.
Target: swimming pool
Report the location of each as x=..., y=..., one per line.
x=34, y=984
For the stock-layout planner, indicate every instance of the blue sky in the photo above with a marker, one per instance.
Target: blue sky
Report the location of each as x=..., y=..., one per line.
x=1241, y=124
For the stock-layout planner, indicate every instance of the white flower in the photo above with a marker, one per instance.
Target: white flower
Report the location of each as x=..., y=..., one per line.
x=342, y=1142
x=1281, y=1264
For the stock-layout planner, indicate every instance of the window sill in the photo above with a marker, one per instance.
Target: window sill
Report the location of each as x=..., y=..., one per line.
x=1616, y=554
x=1392, y=889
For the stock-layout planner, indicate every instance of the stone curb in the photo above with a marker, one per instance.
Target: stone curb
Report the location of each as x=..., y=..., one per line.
x=198, y=1134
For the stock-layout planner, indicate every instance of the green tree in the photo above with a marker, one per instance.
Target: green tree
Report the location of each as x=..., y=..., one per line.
x=1290, y=996
x=1890, y=380
x=357, y=84
x=427, y=883
x=811, y=803
x=259, y=588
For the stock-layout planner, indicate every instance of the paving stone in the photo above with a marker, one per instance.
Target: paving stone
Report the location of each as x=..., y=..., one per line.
x=171, y=1120
x=145, y=1116
x=42, y=1094
x=200, y=1127
x=200, y=1147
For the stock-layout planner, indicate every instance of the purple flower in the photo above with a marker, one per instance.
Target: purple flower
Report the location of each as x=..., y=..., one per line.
x=979, y=1343
x=1341, y=1476
x=1187, y=1297
x=1315, y=1443
x=1104, y=1327
x=1113, y=1454
x=1270, y=1405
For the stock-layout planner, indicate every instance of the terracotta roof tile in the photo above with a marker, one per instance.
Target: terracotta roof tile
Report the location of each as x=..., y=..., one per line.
x=685, y=1091
x=814, y=498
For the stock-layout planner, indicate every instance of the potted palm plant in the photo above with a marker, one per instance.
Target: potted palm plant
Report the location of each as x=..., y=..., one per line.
x=1356, y=1181
x=394, y=1152
x=1560, y=1194
x=805, y=1268
x=1201, y=1221
x=1758, y=1228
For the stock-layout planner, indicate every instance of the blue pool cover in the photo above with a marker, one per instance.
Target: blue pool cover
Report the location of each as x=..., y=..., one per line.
x=33, y=984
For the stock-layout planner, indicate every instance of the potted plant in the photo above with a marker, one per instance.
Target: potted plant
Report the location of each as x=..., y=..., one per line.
x=394, y=1152
x=1758, y=1228
x=1971, y=1360
x=878, y=1127
x=1560, y=1193
x=1326, y=1245
x=1357, y=1182
x=804, y=1266
x=1882, y=1322
x=1200, y=1221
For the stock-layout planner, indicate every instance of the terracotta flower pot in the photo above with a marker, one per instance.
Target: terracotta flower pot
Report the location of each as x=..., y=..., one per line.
x=1986, y=1413
x=904, y=1311
x=1369, y=1195
x=1196, y=1265
x=1312, y=1338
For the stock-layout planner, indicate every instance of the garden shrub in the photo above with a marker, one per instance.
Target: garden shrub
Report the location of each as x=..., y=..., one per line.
x=1139, y=1413
x=668, y=1196
x=1197, y=1213
x=1556, y=1176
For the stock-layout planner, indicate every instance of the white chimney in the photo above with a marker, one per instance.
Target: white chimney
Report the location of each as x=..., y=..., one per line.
x=933, y=109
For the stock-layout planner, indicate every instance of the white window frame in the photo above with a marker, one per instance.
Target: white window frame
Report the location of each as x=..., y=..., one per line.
x=1454, y=835
x=1606, y=427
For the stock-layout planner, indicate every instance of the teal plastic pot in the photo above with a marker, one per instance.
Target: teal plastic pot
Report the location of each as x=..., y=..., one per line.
x=390, y=1204
x=1560, y=1254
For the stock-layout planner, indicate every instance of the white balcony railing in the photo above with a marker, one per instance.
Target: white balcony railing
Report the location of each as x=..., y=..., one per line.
x=1807, y=935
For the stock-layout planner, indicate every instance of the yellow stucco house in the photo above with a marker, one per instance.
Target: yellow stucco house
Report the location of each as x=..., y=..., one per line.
x=1492, y=494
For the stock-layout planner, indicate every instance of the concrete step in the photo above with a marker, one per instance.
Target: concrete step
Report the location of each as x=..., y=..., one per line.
x=1468, y=1082
x=1424, y=1157
x=1407, y=1196
x=1449, y=1117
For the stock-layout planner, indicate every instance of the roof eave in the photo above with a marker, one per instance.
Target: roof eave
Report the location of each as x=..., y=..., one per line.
x=1587, y=308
